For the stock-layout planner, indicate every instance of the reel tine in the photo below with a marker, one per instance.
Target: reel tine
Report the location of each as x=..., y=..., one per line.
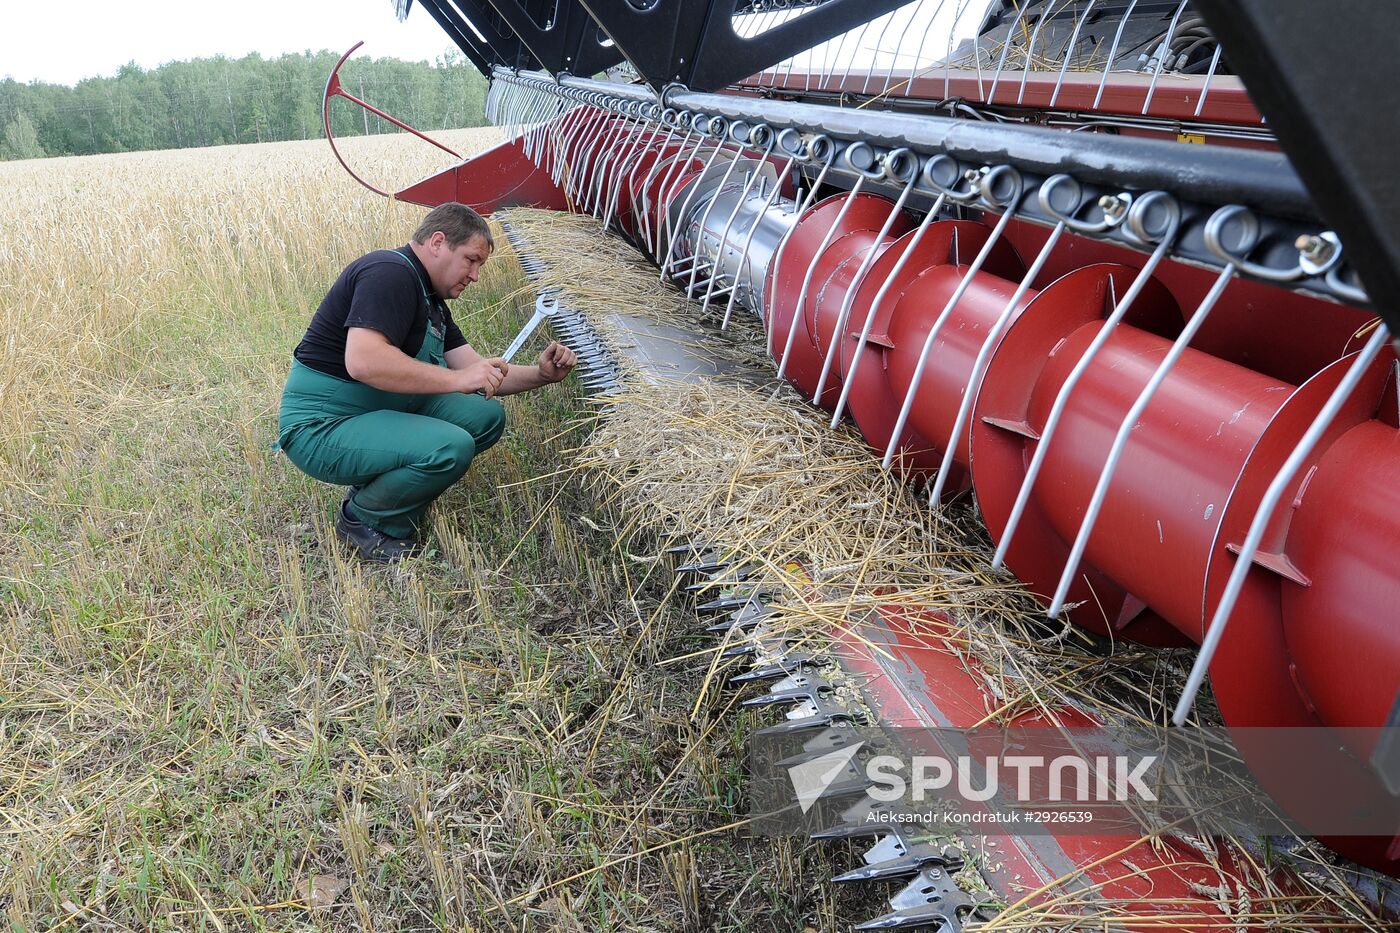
x=1113, y=51
x=929, y=218
x=980, y=364
x=972, y=270
x=1265, y=511
x=848, y=302
x=1162, y=58
x=1057, y=409
x=812, y=268
x=1120, y=441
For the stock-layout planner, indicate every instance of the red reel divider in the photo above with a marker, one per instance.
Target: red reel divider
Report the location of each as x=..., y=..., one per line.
x=864, y=218
x=873, y=401
x=1026, y=372
x=1312, y=640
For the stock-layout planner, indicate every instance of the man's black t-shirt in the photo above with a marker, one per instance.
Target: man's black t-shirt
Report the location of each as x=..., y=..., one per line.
x=379, y=291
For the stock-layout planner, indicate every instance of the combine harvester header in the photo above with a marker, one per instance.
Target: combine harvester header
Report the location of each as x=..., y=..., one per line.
x=1125, y=271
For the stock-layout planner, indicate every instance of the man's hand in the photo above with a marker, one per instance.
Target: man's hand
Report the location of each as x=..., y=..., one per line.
x=556, y=362
x=484, y=375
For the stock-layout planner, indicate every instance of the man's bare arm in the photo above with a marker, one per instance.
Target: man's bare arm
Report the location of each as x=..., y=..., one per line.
x=370, y=358
x=554, y=364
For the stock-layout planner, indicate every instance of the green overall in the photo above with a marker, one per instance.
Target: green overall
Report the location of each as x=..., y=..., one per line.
x=403, y=450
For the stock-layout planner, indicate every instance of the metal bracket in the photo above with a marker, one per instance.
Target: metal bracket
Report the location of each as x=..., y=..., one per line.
x=1296, y=61
x=782, y=667
x=693, y=42
x=930, y=902
x=568, y=42
x=480, y=35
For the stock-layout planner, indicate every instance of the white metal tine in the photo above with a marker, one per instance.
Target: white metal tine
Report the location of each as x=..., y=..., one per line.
x=748, y=241
x=1057, y=409
x=622, y=143
x=1030, y=49
x=585, y=116
x=948, y=57
x=983, y=354
x=630, y=135
x=1210, y=74
x=639, y=139
x=663, y=216
x=875, y=53
x=953, y=300
x=705, y=218
x=555, y=156
x=597, y=157
x=561, y=136
x=1005, y=50
x=1113, y=51
x=668, y=179
x=729, y=223
x=929, y=219
x=833, y=52
x=630, y=182
x=626, y=167
x=585, y=151
x=1162, y=59
x=919, y=50
x=660, y=165
x=684, y=212
x=871, y=253
x=812, y=268
x=540, y=114
x=1125, y=430
x=1282, y=480
x=573, y=149
x=1069, y=50
x=782, y=245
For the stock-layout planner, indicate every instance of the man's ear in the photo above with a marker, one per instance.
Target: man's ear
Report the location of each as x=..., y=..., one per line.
x=436, y=240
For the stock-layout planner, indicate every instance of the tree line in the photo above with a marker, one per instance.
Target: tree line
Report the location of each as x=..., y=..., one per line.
x=218, y=101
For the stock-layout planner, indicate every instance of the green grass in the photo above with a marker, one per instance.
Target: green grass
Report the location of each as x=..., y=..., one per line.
x=205, y=702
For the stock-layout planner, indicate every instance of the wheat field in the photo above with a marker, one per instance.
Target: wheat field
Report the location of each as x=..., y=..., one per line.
x=211, y=717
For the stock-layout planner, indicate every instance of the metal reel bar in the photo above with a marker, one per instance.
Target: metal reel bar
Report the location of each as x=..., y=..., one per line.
x=1262, y=184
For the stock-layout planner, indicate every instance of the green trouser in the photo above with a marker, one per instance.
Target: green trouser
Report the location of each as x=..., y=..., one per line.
x=403, y=450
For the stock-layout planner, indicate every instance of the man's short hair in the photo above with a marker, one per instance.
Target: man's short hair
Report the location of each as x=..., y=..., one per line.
x=458, y=224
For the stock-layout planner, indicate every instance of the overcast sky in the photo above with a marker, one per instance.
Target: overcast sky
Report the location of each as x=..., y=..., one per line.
x=68, y=40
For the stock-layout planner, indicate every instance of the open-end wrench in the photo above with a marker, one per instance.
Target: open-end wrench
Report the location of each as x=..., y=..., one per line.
x=545, y=307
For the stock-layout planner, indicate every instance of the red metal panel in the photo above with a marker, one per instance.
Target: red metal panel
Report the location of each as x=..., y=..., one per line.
x=1124, y=94
x=499, y=177
x=916, y=679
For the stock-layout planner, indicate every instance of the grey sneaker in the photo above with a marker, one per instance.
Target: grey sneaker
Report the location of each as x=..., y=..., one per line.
x=372, y=544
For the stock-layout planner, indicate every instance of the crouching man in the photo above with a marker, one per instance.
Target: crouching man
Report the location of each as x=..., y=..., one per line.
x=387, y=397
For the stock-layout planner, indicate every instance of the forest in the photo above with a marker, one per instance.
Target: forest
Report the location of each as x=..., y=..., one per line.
x=219, y=101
